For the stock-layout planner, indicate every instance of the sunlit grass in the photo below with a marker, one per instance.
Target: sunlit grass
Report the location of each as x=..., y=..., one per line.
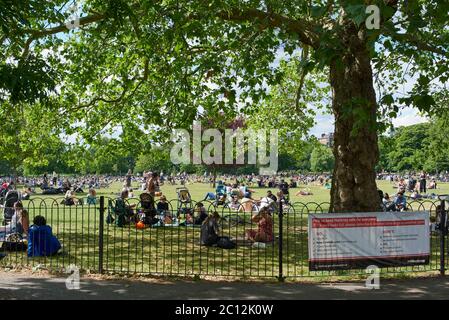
x=176, y=250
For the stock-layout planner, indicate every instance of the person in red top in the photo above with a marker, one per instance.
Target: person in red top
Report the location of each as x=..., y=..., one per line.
x=264, y=232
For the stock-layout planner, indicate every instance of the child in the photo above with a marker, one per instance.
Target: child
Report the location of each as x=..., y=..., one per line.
x=92, y=197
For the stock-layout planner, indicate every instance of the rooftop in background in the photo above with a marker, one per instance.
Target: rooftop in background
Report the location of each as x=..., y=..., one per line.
x=327, y=139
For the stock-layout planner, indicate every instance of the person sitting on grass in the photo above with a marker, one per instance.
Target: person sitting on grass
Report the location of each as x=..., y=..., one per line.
x=185, y=217
x=247, y=203
x=201, y=214
x=399, y=203
x=264, y=232
x=386, y=199
x=162, y=206
x=433, y=184
x=124, y=195
x=210, y=230
x=41, y=241
x=164, y=211
x=234, y=204
x=19, y=223
x=26, y=193
x=70, y=199
x=268, y=202
x=92, y=197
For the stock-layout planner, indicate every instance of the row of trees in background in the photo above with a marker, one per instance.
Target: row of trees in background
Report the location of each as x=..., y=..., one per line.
x=112, y=159
x=418, y=147
x=423, y=146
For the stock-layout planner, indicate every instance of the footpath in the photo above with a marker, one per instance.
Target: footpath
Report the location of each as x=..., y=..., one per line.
x=22, y=286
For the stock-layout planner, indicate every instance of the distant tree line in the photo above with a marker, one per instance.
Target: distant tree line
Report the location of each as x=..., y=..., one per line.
x=418, y=147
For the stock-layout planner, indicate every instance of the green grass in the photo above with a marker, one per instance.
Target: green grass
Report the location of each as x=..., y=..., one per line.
x=176, y=250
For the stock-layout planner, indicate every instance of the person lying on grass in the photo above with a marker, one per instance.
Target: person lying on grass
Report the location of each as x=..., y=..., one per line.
x=304, y=193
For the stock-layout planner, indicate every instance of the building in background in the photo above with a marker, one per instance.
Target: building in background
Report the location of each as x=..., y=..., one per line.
x=327, y=139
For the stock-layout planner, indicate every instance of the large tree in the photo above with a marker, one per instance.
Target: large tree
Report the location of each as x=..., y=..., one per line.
x=150, y=64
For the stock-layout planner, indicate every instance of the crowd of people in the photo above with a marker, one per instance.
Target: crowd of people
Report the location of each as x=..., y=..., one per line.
x=236, y=196
x=234, y=192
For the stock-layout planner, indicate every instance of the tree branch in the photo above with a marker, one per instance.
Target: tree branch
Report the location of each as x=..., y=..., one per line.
x=36, y=34
x=419, y=44
x=274, y=20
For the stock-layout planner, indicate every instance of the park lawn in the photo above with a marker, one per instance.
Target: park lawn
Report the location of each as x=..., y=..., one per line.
x=176, y=250
x=199, y=190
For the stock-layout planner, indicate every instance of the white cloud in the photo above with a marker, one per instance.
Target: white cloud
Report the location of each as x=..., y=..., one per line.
x=408, y=117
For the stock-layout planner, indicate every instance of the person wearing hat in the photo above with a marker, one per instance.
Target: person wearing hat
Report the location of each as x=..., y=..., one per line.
x=246, y=205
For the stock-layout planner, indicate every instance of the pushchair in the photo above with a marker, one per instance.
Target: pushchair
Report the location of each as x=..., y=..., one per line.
x=183, y=196
x=119, y=213
x=8, y=206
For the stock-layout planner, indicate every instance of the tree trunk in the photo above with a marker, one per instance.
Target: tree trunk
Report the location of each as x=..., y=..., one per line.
x=355, y=139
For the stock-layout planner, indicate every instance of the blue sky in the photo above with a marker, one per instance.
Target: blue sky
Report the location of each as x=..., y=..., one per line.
x=325, y=122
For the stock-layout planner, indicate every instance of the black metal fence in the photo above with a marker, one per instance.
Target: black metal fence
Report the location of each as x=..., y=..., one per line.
x=92, y=243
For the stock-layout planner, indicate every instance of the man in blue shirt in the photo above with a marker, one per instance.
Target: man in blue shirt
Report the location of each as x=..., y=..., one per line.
x=399, y=203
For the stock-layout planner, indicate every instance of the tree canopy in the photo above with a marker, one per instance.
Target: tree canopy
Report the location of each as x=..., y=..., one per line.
x=144, y=67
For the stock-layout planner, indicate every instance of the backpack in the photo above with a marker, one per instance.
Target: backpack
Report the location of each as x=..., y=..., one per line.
x=226, y=243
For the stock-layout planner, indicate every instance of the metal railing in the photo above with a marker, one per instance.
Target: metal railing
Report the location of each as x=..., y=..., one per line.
x=94, y=245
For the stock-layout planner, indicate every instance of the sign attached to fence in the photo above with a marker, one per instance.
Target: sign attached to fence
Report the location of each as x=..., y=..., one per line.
x=339, y=241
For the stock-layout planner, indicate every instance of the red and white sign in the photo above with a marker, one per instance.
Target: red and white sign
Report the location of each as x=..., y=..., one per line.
x=357, y=240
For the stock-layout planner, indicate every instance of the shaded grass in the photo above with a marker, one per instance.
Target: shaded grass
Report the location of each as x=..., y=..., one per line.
x=176, y=250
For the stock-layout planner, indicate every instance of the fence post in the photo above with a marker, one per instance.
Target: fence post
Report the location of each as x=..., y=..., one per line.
x=442, y=237
x=281, y=277
x=100, y=236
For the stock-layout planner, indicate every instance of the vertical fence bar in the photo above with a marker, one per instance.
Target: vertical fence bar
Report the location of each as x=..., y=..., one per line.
x=100, y=236
x=442, y=236
x=281, y=277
